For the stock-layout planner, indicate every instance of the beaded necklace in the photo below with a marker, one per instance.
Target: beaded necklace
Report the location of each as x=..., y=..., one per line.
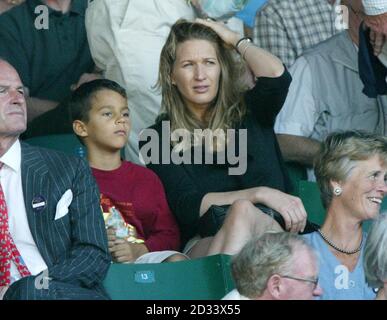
x=336, y=247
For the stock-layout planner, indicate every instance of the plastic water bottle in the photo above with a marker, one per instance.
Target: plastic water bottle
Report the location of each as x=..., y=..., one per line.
x=80, y=152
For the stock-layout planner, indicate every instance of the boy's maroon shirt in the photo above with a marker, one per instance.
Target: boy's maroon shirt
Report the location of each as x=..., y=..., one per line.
x=139, y=195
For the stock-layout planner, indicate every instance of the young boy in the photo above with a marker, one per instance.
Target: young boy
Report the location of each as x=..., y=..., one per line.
x=100, y=118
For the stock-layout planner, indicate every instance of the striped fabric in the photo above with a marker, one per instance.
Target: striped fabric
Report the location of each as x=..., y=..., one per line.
x=74, y=247
x=375, y=7
x=288, y=27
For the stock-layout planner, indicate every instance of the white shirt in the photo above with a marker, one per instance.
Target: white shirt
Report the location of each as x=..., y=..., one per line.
x=299, y=113
x=234, y=295
x=11, y=182
x=299, y=106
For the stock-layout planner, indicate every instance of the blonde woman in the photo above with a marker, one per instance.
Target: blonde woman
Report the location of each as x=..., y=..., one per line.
x=201, y=87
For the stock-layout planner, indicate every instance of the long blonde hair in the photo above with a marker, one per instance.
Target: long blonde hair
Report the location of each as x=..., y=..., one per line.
x=227, y=109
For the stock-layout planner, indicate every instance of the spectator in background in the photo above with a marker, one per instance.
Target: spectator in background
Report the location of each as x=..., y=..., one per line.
x=125, y=40
x=327, y=95
x=50, y=51
x=375, y=257
x=100, y=114
x=351, y=171
x=8, y=4
x=275, y=266
x=286, y=28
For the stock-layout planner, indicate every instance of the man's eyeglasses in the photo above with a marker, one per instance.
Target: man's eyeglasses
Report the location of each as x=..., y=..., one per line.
x=314, y=281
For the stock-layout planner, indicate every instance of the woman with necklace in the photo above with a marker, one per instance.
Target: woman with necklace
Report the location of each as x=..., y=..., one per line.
x=351, y=171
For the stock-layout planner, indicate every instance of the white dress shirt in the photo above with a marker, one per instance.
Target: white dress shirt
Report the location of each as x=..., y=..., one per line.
x=234, y=295
x=11, y=182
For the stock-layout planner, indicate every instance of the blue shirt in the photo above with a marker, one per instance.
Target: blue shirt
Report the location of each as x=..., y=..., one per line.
x=337, y=282
x=247, y=14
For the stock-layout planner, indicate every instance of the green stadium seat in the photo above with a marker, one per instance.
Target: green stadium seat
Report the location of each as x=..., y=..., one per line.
x=206, y=278
x=384, y=205
x=310, y=196
x=67, y=143
x=296, y=173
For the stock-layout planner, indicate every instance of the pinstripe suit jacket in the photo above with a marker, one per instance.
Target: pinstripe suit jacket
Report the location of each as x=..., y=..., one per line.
x=74, y=247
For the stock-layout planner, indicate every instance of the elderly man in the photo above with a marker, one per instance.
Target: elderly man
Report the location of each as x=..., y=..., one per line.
x=53, y=242
x=45, y=40
x=275, y=266
x=286, y=28
x=326, y=95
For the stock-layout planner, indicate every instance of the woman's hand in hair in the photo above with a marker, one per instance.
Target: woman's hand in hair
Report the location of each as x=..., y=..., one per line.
x=228, y=36
x=261, y=62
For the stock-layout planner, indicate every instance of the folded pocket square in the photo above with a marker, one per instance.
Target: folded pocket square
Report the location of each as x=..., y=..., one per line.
x=62, y=207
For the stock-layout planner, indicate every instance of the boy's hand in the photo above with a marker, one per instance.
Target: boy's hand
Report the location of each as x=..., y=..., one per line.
x=111, y=234
x=123, y=251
